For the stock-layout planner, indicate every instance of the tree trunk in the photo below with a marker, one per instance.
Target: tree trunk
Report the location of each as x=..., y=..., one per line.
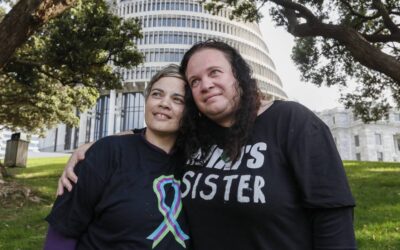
x=23, y=20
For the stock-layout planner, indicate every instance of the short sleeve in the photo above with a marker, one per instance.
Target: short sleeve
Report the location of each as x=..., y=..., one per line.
x=73, y=211
x=316, y=164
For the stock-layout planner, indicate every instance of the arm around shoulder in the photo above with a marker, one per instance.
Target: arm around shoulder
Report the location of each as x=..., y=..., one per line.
x=68, y=176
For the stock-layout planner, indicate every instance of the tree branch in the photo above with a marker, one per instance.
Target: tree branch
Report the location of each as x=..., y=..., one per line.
x=360, y=48
x=357, y=14
x=302, y=10
x=380, y=7
x=377, y=37
x=365, y=53
x=262, y=5
x=381, y=38
x=23, y=20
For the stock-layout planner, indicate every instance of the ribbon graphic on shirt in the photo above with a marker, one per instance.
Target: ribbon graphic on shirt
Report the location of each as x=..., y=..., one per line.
x=170, y=213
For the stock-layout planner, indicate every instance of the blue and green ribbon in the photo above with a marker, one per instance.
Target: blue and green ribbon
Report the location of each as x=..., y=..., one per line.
x=170, y=213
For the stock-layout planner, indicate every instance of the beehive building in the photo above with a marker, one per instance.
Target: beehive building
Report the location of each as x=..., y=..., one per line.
x=169, y=28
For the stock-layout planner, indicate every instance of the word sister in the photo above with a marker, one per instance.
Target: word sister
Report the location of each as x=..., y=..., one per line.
x=243, y=185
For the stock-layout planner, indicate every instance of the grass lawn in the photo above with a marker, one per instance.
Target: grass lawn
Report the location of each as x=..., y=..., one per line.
x=22, y=225
x=376, y=187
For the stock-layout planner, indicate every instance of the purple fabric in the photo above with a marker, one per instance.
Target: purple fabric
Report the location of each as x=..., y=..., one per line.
x=55, y=240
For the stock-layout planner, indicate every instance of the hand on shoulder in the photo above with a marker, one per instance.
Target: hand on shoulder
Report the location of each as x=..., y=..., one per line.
x=68, y=176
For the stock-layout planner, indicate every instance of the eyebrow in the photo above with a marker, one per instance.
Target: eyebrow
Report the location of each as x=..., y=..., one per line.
x=207, y=69
x=176, y=94
x=161, y=90
x=157, y=89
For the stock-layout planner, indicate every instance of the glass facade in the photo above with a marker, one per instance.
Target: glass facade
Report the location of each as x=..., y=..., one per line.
x=170, y=27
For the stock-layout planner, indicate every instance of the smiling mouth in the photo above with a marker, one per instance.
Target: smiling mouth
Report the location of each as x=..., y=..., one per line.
x=210, y=97
x=161, y=116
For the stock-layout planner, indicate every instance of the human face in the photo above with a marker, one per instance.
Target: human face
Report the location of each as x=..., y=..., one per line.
x=213, y=85
x=164, y=107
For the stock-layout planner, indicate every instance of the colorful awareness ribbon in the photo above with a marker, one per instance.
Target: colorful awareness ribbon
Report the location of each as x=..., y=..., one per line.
x=170, y=213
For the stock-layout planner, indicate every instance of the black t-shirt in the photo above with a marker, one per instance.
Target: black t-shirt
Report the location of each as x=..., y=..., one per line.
x=287, y=191
x=126, y=198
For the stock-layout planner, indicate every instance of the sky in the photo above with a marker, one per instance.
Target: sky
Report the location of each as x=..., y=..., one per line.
x=280, y=44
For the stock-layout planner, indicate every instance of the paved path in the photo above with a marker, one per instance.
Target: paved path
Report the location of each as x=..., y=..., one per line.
x=46, y=154
x=40, y=155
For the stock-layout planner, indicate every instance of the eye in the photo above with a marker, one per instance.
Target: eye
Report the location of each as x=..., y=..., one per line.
x=214, y=72
x=194, y=83
x=155, y=94
x=179, y=100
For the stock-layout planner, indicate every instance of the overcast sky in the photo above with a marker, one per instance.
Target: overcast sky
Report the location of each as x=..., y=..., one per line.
x=280, y=44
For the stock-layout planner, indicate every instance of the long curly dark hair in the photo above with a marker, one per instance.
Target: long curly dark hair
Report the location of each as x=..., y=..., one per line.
x=202, y=133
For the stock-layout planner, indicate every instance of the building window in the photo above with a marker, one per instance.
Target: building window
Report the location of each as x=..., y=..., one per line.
x=132, y=111
x=88, y=127
x=357, y=140
x=101, y=119
x=380, y=156
x=358, y=156
x=378, y=139
x=396, y=139
x=76, y=132
x=67, y=138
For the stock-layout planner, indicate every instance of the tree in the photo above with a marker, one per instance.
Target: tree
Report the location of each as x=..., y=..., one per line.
x=23, y=20
x=339, y=40
x=61, y=68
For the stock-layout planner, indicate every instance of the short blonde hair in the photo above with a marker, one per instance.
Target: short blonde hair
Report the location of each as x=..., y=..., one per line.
x=171, y=70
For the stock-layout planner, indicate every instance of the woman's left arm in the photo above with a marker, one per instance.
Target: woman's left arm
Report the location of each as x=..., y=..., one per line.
x=333, y=228
x=322, y=182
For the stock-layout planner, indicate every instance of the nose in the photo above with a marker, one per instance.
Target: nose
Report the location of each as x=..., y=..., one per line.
x=206, y=84
x=165, y=103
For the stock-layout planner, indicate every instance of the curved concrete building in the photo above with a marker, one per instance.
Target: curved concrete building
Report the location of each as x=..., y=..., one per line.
x=169, y=28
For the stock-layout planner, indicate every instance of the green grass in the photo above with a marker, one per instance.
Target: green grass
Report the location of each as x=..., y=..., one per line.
x=22, y=224
x=376, y=187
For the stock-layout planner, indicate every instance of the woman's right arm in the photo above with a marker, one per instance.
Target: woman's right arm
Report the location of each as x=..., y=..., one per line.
x=55, y=240
x=72, y=212
x=68, y=174
x=68, y=177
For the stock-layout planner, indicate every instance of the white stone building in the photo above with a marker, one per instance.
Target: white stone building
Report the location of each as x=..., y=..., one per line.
x=355, y=140
x=169, y=28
